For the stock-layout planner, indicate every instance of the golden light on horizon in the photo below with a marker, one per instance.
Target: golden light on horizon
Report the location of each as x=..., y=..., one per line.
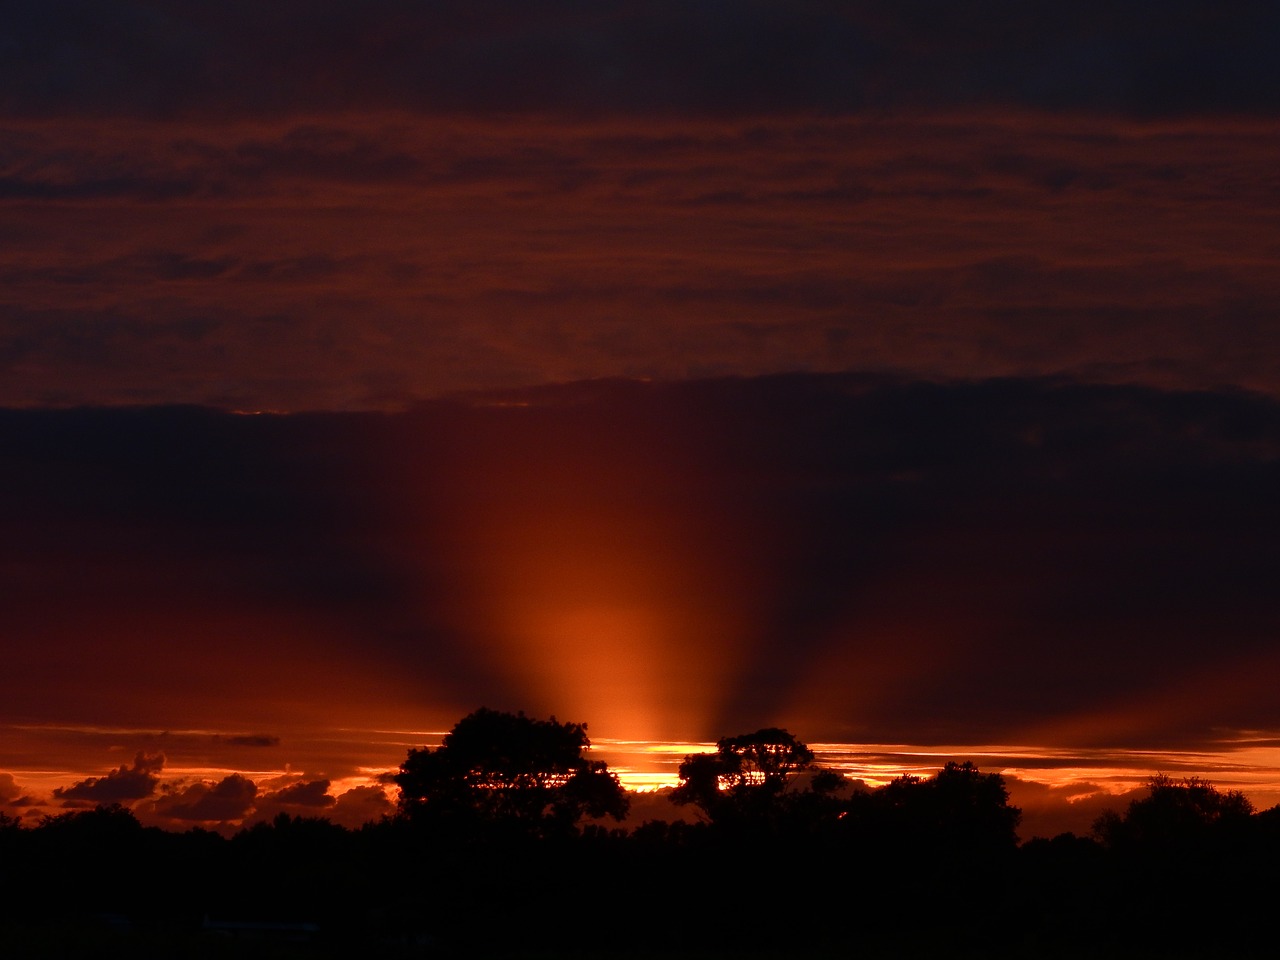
x=1059, y=788
x=645, y=766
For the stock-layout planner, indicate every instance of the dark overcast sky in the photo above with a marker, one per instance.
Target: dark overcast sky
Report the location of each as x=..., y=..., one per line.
x=171, y=59
x=961, y=321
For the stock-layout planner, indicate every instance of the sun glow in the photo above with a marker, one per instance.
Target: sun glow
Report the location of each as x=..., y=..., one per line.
x=645, y=765
x=581, y=583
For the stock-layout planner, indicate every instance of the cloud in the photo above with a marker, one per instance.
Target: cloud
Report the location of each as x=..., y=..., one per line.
x=656, y=805
x=10, y=792
x=311, y=798
x=304, y=793
x=360, y=805
x=121, y=785
x=231, y=798
x=253, y=740
x=1050, y=810
x=291, y=274
x=298, y=797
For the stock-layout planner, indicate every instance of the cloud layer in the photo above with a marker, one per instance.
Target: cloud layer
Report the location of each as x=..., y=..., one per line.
x=373, y=261
x=314, y=206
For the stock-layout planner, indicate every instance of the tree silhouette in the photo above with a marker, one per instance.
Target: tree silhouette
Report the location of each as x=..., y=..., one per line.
x=497, y=768
x=1175, y=813
x=973, y=807
x=747, y=777
x=959, y=813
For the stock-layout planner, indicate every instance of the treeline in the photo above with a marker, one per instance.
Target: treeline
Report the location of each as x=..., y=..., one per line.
x=506, y=843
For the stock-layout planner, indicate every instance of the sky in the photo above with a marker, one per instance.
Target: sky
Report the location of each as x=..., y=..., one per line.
x=904, y=374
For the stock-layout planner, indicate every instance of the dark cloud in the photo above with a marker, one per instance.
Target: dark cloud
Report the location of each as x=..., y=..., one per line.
x=254, y=740
x=231, y=798
x=360, y=805
x=9, y=789
x=121, y=785
x=311, y=798
x=143, y=188
x=304, y=793
x=650, y=805
x=179, y=57
x=1048, y=811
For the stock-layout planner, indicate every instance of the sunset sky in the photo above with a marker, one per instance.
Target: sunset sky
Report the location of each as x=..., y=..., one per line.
x=905, y=374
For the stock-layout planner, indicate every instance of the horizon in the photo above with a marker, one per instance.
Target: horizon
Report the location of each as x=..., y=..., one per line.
x=1058, y=791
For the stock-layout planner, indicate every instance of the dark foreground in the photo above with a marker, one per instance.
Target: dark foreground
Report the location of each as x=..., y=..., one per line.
x=100, y=884
x=85, y=939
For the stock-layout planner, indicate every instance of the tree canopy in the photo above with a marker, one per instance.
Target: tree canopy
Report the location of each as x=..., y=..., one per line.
x=497, y=767
x=1174, y=812
x=960, y=812
x=747, y=776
